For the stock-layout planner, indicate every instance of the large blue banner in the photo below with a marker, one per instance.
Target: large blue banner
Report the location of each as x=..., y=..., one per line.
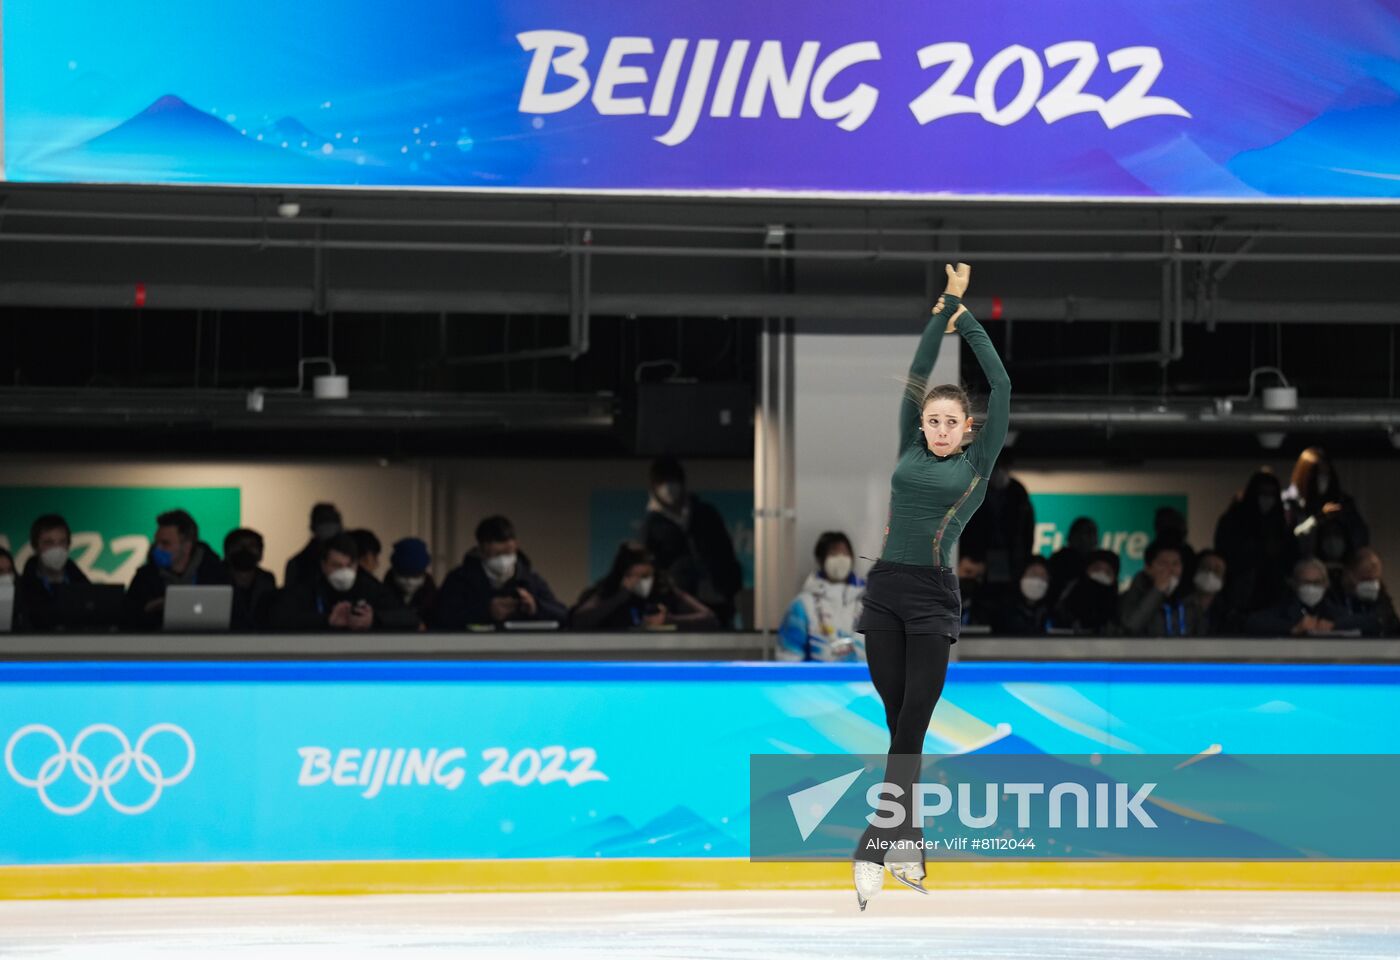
x=1187, y=99
x=287, y=761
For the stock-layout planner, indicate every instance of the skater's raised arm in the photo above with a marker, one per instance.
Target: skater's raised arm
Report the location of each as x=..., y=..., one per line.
x=991, y=433
x=911, y=408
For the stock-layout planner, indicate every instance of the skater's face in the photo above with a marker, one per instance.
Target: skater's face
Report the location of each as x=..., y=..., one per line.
x=945, y=421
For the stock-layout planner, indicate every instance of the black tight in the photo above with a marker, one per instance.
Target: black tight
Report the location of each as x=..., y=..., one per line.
x=908, y=672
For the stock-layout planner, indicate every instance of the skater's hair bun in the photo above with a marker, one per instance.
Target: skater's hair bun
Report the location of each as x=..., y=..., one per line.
x=948, y=391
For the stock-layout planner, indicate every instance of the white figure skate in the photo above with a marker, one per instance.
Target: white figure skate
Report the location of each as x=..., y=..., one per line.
x=870, y=880
x=906, y=864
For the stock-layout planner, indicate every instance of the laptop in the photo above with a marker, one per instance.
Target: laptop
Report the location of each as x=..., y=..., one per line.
x=86, y=606
x=7, y=607
x=192, y=609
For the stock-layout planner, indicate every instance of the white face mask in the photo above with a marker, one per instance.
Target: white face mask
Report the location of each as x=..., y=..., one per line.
x=1311, y=593
x=500, y=568
x=342, y=579
x=54, y=558
x=410, y=585
x=1102, y=577
x=6, y=578
x=1034, y=588
x=837, y=567
x=642, y=587
x=1172, y=584
x=1208, y=582
x=1368, y=590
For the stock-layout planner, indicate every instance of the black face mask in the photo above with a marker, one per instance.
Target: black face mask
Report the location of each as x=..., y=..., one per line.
x=967, y=586
x=243, y=560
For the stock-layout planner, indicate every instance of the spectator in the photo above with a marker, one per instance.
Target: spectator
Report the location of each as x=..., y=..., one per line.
x=495, y=583
x=1152, y=605
x=410, y=578
x=341, y=597
x=974, y=591
x=1023, y=610
x=306, y=565
x=636, y=594
x=1323, y=517
x=50, y=566
x=1308, y=611
x=1069, y=562
x=690, y=542
x=1169, y=528
x=820, y=623
x=1089, y=603
x=254, y=589
x=1367, y=603
x=1253, y=538
x=1205, y=614
x=7, y=579
x=177, y=558
x=370, y=549
x=1001, y=534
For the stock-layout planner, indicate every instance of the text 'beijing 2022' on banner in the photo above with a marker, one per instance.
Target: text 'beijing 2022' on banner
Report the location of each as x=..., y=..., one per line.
x=1065, y=99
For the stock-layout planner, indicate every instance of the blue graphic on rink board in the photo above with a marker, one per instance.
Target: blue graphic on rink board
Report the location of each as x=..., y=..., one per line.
x=270, y=761
x=616, y=515
x=1252, y=99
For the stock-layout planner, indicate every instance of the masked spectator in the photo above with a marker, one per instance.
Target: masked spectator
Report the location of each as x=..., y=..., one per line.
x=820, y=623
x=1205, y=614
x=495, y=583
x=1001, y=533
x=690, y=542
x=1169, y=529
x=254, y=589
x=50, y=566
x=1253, y=537
x=1363, y=596
x=7, y=579
x=1023, y=609
x=1323, y=517
x=306, y=565
x=1069, y=562
x=411, y=579
x=1090, y=603
x=1152, y=606
x=341, y=597
x=177, y=558
x=370, y=549
x=1308, y=611
x=974, y=592
x=636, y=594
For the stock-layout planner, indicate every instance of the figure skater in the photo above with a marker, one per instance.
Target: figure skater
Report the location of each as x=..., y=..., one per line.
x=912, y=605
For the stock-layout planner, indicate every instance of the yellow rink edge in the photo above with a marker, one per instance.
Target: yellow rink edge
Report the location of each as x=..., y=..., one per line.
x=525, y=876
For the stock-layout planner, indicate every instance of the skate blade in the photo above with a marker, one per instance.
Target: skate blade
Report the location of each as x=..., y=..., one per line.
x=911, y=884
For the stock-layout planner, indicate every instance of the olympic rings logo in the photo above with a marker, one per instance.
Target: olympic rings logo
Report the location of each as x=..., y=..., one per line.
x=86, y=771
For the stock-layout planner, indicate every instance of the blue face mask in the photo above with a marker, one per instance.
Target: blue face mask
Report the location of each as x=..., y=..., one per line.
x=162, y=558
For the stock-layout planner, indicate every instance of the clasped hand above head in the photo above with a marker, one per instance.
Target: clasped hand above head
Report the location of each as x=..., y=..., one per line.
x=958, y=279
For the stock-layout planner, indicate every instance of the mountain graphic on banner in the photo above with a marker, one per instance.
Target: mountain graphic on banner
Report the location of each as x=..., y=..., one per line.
x=172, y=141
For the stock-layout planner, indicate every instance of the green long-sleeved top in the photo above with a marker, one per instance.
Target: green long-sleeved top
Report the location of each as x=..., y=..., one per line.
x=932, y=497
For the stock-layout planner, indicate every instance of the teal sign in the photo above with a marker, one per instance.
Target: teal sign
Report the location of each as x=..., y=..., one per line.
x=616, y=515
x=112, y=526
x=1124, y=519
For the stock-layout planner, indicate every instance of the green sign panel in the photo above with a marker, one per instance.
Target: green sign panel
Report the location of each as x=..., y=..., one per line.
x=616, y=515
x=1124, y=519
x=112, y=526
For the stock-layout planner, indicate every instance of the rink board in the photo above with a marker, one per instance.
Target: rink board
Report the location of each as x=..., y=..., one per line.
x=523, y=776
